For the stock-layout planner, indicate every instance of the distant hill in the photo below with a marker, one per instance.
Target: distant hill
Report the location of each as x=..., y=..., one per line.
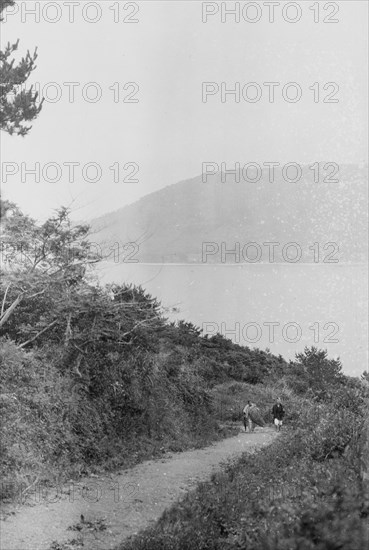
x=171, y=225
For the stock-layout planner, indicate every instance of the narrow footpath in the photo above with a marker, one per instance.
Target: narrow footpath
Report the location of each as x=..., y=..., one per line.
x=99, y=512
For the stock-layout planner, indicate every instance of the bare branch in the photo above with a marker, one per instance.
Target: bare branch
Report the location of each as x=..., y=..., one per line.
x=38, y=334
x=134, y=328
x=37, y=293
x=10, y=310
x=4, y=300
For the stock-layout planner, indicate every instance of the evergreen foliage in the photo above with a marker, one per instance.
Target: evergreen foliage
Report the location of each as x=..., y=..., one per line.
x=18, y=106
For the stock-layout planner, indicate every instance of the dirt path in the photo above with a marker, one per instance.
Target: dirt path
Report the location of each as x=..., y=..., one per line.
x=118, y=505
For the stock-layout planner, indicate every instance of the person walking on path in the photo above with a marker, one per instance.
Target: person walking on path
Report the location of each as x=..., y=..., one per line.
x=278, y=414
x=246, y=417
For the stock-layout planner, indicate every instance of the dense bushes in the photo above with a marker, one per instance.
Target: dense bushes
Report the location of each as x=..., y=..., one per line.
x=57, y=423
x=68, y=411
x=35, y=430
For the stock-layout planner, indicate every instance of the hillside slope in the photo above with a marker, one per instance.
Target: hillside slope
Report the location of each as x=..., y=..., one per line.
x=172, y=224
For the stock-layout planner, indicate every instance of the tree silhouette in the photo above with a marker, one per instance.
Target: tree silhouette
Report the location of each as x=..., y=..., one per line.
x=313, y=369
x=17, y=106
x=365, y=376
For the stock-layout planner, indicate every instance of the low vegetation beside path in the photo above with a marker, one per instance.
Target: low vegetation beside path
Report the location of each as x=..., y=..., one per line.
x=303, y=492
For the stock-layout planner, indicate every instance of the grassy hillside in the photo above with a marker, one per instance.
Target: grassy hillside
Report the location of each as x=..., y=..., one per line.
x=124, y=407
x=53, y=428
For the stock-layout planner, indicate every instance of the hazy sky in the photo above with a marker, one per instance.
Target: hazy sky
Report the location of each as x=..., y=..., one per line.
x=170, y=132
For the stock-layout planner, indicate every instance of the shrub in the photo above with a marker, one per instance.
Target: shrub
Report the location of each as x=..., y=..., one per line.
x=60, y=423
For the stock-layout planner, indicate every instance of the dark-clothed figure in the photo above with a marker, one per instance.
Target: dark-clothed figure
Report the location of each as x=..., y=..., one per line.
x=278, y=414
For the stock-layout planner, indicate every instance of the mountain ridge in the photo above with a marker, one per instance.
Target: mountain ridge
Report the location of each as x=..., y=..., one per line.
x=173, y=223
